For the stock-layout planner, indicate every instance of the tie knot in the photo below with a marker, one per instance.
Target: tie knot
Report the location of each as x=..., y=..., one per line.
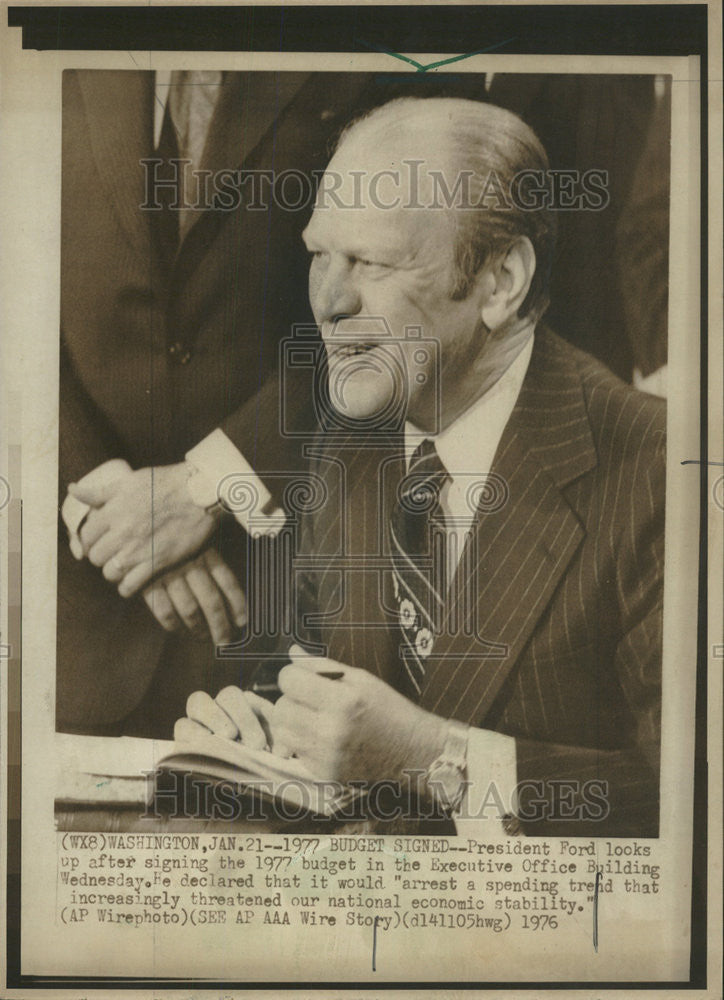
x=426, y=476
x=425, y=457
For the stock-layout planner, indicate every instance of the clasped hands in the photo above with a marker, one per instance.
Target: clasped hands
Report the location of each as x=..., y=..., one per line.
x=353, y=728
x=144, y=522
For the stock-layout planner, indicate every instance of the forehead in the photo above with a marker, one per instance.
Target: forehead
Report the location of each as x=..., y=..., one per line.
x=358, y=231
x=372, y=197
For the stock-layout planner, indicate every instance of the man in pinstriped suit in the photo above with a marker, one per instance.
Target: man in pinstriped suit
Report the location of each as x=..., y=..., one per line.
x=527, y=673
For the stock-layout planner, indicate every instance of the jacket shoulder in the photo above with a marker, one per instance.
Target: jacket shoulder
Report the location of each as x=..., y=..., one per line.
x=623, y=419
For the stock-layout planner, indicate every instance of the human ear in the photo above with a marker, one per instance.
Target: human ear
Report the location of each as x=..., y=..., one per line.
x=511, y=276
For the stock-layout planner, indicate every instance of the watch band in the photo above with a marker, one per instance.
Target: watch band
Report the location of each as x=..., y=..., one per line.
x=446, y=776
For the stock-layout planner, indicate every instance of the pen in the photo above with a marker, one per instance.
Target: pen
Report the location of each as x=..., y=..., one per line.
x=273, y=688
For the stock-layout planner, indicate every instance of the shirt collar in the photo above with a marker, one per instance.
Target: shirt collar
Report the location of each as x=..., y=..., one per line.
x=469, y=444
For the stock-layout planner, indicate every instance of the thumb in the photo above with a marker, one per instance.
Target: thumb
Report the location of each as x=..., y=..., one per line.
x=321, y=665
x=98, y=485
x=94, y=494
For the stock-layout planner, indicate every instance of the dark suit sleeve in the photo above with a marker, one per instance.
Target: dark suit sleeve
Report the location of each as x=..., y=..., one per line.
x=268, y=428
x=86, y=440
x=614, y=792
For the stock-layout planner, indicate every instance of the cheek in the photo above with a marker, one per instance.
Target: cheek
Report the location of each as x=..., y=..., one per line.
x=393, y=302
x=313, y=284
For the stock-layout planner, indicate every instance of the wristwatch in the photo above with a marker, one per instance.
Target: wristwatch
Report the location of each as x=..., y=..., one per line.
x=203, y=491
x=446, y=777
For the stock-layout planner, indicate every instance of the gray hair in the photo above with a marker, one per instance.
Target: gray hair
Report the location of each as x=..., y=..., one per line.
x=489, y=141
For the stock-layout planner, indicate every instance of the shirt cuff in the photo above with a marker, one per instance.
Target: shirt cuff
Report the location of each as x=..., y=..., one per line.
x=655, y=383
x=221, y=474
x=492, y=776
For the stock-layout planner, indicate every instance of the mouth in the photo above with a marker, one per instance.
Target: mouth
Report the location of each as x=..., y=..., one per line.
x=352, y=350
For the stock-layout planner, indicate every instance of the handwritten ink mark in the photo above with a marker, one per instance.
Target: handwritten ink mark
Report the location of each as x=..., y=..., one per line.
x=599, y=879
x=422, y=68
x=374, y=944
x=100, y=783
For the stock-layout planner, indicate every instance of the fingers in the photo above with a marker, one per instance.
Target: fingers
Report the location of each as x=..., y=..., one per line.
x=115, y=568
x=106, y=547
x=228, y=584
x=236, y=714
x=184, y=602
x=93, y=529
x=76, y=510
x=136, y=578
x=264, y=711
x=185, y=730
x=161, y=607
x=240, y=710
x=230, y=715
x=91, y=492
x=74, y=513
x=202, y=708
x=190, y=594
x=76, y=547
x=296, y=727
x=116, y=564
x=203, y=588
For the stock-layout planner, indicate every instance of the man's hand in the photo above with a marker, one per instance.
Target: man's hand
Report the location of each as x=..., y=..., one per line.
x=356, y=727
x=141, y=524
x=74, y=512
x=233, y=714
x=203, y=590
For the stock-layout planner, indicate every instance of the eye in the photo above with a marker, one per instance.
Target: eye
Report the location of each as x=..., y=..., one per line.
x=367, y=263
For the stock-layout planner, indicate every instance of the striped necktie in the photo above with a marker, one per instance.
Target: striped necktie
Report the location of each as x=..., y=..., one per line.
x=417, y=545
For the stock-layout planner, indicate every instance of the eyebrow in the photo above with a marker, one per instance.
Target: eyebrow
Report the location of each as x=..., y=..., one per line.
x=359, y=251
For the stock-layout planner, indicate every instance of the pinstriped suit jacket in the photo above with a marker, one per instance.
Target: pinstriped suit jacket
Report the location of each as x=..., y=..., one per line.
x=554, y=620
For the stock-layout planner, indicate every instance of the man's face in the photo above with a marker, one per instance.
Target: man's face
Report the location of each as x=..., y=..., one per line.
x=376, y=272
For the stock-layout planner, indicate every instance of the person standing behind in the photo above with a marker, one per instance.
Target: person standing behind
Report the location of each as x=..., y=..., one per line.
x=170, y=324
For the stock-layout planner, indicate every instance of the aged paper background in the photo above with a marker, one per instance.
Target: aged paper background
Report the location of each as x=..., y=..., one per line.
x=650, y=943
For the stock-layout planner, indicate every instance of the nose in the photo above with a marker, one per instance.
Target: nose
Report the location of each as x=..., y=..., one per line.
x=333, y=288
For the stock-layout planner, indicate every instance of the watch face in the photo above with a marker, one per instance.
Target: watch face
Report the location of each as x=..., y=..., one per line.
x=445, y=782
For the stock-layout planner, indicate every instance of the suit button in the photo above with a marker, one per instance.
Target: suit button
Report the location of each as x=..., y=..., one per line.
x=180, y=352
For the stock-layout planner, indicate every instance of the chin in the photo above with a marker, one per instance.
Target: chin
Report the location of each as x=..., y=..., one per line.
x=362, y=396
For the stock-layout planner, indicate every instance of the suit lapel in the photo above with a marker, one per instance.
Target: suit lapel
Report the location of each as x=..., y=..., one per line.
x=120, y=120
x=245, y=117
x=353, y=545
x=291, y=118
x=519, y=549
